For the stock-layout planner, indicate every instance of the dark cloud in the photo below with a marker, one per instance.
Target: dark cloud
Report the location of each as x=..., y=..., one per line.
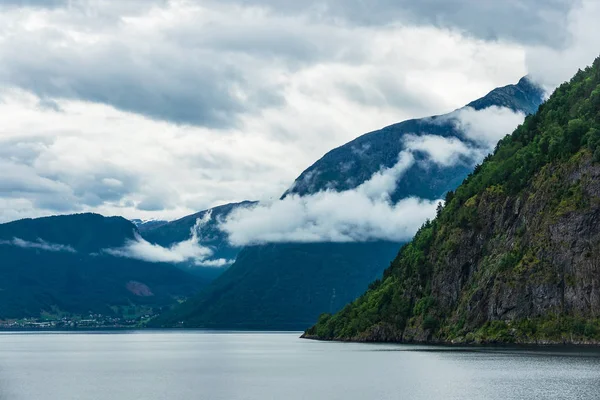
x=162, y=75
x=526, y=21
x=34, y=3
x=25, y=176
x=211, y=72
x=175, y=86
x=154, y=203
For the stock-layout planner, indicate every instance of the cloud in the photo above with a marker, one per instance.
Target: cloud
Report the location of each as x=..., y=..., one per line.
x=366, y=212
x=204, y=67
x=486, y=127
x=384, y=182
x=190, y=250
x=441, y=150
x=33, y=3
x=524, y=21
x=363, y=214
x=39, y=245
x=112, y=64
x=194, y=104
x=348, y=216
x=552, y=65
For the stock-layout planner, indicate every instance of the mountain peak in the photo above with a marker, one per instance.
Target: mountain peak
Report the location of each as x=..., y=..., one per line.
x=525, y=96
x=513, y=255
x=348, y=166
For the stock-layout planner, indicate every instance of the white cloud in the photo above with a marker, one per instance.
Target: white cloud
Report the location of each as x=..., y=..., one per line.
x=366, y=212
x=39, y=245
x=441, y=150
x=161, y=109
x=384, y=182
x=487, y=126
x=348, y=216
x=363, y=214
x=190, y=250
x=552, y=65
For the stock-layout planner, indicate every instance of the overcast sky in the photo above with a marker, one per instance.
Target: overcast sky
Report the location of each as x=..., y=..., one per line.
x=157, y=109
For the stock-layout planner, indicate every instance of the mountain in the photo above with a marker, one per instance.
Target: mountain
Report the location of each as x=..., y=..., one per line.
x=84, y=233
x=350, y=165
x=58, y=264
x=514, y=256
x=287, y=286
x=283, y=286
x=144, y=225
x=206, y=223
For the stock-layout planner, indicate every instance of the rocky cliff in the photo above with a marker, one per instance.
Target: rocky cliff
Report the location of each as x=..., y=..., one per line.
x=514, y=256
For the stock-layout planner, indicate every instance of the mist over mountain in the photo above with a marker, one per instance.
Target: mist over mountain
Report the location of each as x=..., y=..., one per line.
x=60, y=265
x=376, y=189
x=88, y=263
x=514, y=254
x=169, y=233
x=348, y=166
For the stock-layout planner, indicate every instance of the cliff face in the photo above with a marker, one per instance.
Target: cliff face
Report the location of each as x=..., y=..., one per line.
x=535, y=255
x=514, y=256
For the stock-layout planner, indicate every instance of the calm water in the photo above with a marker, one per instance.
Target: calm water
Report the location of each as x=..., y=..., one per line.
x=259, y=366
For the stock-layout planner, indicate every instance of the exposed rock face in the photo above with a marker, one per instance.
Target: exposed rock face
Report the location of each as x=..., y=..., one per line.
x=139, y=289
x=530, y=257
x=514, y=256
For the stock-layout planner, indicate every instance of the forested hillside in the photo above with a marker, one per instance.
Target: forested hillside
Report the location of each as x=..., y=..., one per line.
x=514, y=256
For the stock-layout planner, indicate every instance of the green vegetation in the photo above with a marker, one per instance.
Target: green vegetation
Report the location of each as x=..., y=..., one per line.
x=81, y=280
x=512, y=231
x=283, y=286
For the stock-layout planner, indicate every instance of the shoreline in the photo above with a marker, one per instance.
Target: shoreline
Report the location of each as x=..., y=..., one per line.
x=539, y=343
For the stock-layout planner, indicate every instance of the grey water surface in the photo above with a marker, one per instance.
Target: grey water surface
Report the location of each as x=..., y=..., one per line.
x=258, y=366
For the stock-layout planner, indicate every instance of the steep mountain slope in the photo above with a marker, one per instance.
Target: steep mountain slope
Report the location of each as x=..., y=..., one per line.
x=514, y=256
x=57, y=264
x=348, y=166
x=267, y=288
x=283, y=286
x=169, y=233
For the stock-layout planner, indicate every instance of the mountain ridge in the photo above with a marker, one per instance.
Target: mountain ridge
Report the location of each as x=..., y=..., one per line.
x=380, y=148
x=513, y=256
x=58, y=264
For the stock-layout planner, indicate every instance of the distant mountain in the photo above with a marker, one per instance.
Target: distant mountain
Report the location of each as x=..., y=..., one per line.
x=285, y=286
x=144, y=225
x=169, y=233
x=85, y=233
x=62, y=263
x=58, y=264
x=514, y=256
x=348, y=166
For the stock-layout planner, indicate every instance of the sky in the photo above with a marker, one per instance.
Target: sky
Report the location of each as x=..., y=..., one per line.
x=159, y=109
